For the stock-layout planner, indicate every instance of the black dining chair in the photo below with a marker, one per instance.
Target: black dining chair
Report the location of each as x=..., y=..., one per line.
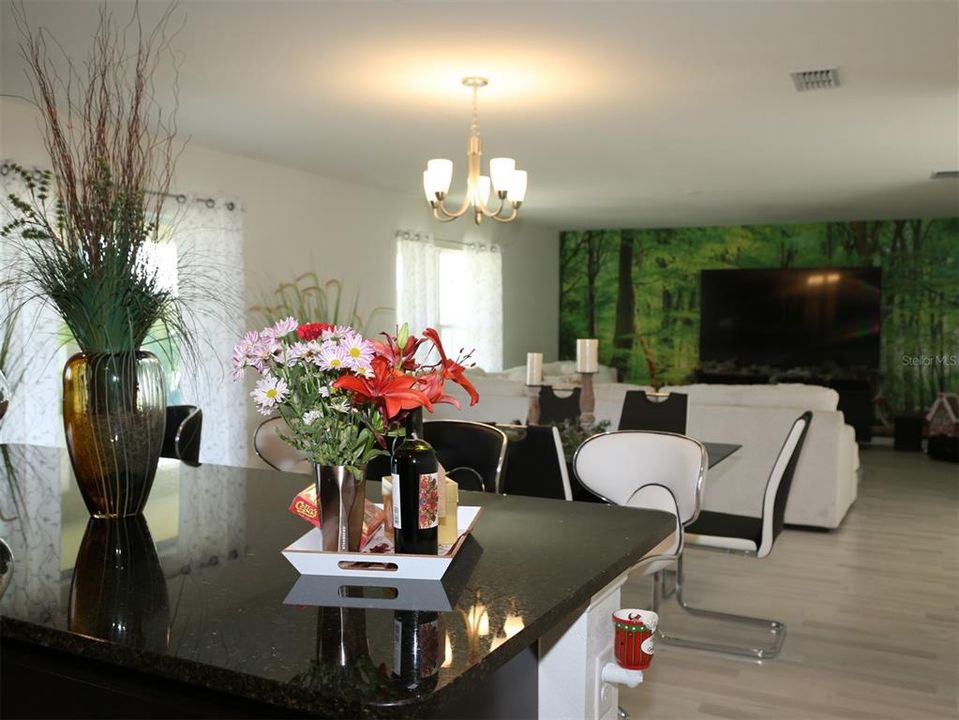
x=535, y=462
x=749, y=536
x=664, y=412
x=181, y=437
x=554, y=410
x=471, y=452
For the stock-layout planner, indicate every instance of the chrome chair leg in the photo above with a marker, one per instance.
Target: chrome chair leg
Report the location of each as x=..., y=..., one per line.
x=667, y=591
x=656, y=592
x=776, y=628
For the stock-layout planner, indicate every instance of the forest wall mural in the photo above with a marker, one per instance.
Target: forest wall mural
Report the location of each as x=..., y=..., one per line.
x=638, y=292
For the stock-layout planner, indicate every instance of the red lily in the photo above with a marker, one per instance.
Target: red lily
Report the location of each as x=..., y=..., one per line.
x=390, y=390
x=432, y=386
x=399, y=357
x=450, y=369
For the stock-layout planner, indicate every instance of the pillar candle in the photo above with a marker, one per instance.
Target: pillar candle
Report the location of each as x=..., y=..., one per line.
x=534, y=368
x=587, y=355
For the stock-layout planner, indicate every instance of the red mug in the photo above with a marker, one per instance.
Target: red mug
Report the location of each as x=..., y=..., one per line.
x=633, y=641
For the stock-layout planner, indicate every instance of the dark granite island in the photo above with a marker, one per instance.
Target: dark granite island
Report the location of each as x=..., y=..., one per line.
x=193, y=611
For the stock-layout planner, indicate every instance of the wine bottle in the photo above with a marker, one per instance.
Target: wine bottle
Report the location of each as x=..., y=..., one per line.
x=417, y=650
x=415, y=496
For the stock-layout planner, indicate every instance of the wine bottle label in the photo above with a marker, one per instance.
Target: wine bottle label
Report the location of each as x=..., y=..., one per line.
x=395, y=492
x=429, y=501
x=428, y=640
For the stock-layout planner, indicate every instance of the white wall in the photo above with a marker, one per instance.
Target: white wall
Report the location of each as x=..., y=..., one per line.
x=296, y=221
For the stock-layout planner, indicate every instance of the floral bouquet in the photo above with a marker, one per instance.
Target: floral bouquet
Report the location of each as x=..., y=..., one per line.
x=339, y=393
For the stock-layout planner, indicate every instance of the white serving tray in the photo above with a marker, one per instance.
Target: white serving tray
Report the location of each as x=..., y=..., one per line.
x=391, y=593
x=309, y=558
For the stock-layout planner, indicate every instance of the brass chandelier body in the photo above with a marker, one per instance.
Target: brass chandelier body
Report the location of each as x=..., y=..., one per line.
x=507, y=183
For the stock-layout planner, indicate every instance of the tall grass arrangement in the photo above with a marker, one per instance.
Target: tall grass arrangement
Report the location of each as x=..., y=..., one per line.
x=309, y=300
x=83, y=228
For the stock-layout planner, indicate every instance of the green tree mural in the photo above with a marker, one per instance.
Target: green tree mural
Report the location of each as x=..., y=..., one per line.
x=638, y=292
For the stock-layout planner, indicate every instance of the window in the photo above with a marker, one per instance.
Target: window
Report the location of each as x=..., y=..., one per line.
x=455, y=288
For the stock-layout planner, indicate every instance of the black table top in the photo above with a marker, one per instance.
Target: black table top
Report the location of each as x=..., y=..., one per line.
x=195, y=591
x=717, y=452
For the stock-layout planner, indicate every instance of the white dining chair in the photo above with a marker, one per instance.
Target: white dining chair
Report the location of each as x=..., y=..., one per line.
x=275, y=452
x=647, y=470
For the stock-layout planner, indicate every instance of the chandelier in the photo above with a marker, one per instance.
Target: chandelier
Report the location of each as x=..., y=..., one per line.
x=508, y=183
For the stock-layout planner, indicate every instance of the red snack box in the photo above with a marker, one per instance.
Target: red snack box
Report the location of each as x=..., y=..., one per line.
x=304, y=506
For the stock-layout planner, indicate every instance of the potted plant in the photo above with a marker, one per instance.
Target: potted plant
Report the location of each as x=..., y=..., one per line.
x=84, y=231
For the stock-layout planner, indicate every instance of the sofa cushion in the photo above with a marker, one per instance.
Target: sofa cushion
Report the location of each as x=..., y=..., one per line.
x=791, y=395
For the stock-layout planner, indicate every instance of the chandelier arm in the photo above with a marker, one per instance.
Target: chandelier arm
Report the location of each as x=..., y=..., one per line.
x=508, y=218
x=443, y=218
x=489, y=213
x=441, y=205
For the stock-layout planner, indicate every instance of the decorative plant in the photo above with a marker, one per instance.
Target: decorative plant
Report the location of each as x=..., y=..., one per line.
x=338, y=392
x=573, y=434
x=84, y=228
x=309, y=300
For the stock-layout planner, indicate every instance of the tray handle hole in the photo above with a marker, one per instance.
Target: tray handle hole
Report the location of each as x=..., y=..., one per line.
x=368, y=592
x=383, y=567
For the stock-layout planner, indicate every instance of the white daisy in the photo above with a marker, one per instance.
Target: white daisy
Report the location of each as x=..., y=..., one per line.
x=268, y=393
x=310, y=416
x=337, y=333
x=332, y=357
x=364, y=371
x=285, y=327
x=341, y=405
x=359, y=352
x=307, y=352
x=243, y=354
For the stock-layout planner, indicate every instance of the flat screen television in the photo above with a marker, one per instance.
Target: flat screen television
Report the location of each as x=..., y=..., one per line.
x=787, y=318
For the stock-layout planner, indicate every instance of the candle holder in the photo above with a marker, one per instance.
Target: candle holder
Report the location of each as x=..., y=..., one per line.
x=534, y=381
x=532, y=395
x=587, y=401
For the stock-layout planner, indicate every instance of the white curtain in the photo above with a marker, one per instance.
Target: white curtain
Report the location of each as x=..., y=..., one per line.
x=36, y=355
x=417, y=287
x=208, y=272
x=484, y=295
x=208, y=234
x=467, y=309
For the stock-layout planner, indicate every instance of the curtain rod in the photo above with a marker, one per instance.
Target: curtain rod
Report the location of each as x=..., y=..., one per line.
x=181, y=198
x=416, y=235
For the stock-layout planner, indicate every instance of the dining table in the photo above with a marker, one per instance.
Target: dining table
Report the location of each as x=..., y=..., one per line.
x=191, y=610
x=717, y=452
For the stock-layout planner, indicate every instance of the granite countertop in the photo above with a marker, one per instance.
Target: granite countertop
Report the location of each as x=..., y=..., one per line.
x=197, y=590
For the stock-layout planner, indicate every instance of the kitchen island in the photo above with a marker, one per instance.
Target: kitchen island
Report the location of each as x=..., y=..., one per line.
x=192, y=611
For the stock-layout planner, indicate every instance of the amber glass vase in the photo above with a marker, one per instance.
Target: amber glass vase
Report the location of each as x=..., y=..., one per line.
x=114, y=410
x=118, y=592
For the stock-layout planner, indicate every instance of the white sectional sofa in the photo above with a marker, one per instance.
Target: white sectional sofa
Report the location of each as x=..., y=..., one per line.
x=754, y=416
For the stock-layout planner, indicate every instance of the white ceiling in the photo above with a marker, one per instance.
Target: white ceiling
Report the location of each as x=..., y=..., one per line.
x=625, y=114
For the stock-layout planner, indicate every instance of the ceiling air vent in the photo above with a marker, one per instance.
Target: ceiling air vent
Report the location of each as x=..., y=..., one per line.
x=943, y=174
x=816, y=79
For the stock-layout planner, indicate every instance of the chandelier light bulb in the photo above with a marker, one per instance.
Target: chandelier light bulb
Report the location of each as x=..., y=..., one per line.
x=517, y=188
x=441, y=171
x=501, y=173
x=428, y=187
x=481, y=192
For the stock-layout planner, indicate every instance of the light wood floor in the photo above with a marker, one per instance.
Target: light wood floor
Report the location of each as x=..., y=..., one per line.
x=872, y=612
